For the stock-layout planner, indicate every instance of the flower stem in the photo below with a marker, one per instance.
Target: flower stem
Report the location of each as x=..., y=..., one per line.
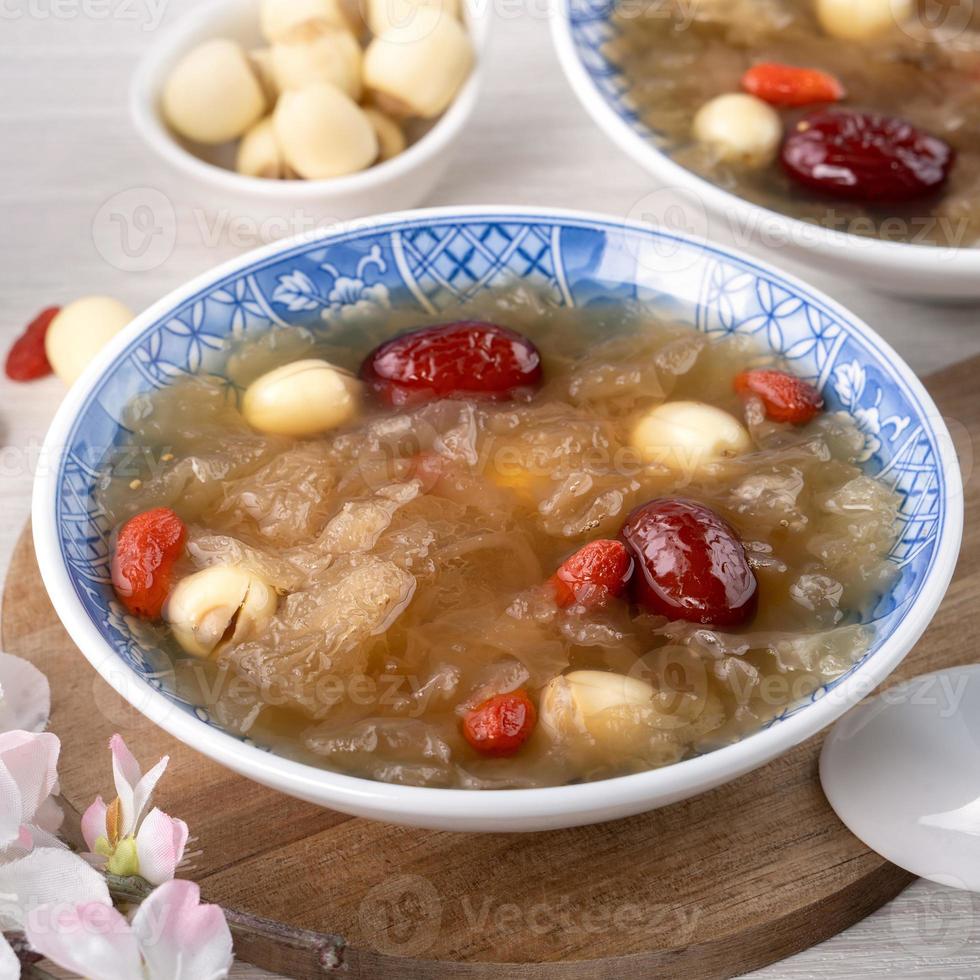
x=265, y=943
x=31, y=971
x=273, y=946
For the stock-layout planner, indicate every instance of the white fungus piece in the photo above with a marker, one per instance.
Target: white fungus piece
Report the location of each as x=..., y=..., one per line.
x=362, y=600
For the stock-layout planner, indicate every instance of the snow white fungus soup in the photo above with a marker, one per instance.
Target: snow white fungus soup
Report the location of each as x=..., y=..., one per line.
x=513, y=546
x=858, y=115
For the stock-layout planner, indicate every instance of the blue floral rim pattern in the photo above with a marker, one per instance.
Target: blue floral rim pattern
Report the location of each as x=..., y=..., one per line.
x=592, y=28
x=432, y=262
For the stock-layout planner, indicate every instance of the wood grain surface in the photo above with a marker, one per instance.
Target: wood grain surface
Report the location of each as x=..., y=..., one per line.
x=712, y=887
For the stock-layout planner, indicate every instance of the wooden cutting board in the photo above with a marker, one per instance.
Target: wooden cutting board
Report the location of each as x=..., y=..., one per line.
x=712, y=887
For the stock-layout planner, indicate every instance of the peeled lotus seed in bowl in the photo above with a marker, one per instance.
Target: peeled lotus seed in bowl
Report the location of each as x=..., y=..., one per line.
x=269, y=48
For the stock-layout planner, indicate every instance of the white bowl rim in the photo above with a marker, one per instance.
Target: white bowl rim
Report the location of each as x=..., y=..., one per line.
x=148, y=123
x=898, y=257
x=419, y=805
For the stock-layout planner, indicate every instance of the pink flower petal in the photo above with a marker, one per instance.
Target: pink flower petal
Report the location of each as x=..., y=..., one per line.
x=14, y=738
x=25, y=697
x=125, y=774
x=97, y=861
x=132, y=787
x=28, y=775
x=93, y=823
x=124, y=762
x=32, y=760
x=180, y=938
x=92, y=940
x=144, y=788
x=160, y=846
x=11, y=810
x=41, y=838
x=49, y=816
x=45, y=876
x=9, y=963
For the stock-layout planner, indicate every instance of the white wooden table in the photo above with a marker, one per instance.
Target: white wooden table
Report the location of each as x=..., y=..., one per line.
x=66, y=148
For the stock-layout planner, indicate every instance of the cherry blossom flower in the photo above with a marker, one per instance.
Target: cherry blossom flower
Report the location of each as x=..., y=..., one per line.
x=57, y=898
x=25, y=698
x=35, y=866
x=45, y=876
x=172, y=936
x=122, y=837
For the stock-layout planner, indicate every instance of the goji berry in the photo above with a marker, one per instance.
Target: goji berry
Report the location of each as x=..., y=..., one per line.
x=501, y=724
x=593, y=575
x=26, y=359
x=146, y=549
x=785, y=397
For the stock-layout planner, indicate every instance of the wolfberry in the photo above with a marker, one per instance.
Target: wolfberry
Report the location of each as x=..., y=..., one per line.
x=501, y=724
x=146, y=549
x=593, y=575
x=786, y=85
x=785, y=397
x=26, y=359
x=456, y=359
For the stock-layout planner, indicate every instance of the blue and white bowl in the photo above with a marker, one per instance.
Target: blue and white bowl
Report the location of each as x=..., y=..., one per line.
x=581, y=31
x=427, y=260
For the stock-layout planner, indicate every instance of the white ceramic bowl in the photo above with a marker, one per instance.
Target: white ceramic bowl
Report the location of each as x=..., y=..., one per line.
x=581, y=29
x=283, y=207
x=429, y=260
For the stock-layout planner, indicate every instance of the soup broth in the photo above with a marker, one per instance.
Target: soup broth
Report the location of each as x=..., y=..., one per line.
x=411, y=550
x=678, y=56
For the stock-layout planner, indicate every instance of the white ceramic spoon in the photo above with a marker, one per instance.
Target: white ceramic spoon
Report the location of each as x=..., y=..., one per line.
x=902, y=771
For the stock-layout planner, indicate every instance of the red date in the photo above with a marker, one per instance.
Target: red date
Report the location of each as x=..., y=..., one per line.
x=465, y=359
x=690, y=564
x=865, y=157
